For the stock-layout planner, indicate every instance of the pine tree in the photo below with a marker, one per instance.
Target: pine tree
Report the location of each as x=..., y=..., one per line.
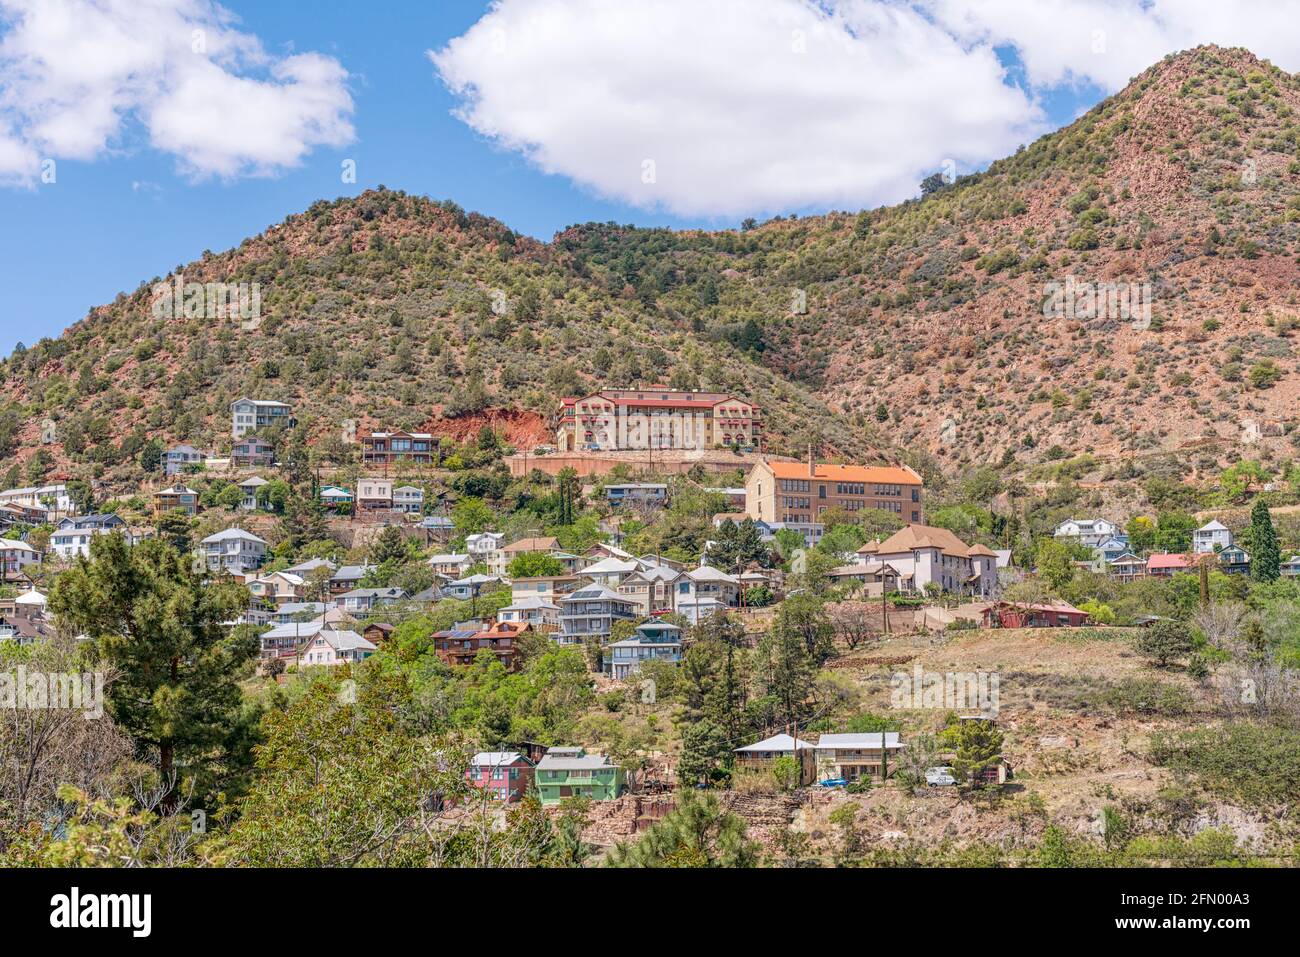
x=568, y=483
x=174, y=528
x=151, y=455
x=304, y=521
x=1265, y=560
x=699, y=832
x=979, y=747
x=785, y=673
x=159, y=628
x=390, y=546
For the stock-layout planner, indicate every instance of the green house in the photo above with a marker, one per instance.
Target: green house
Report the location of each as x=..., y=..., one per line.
x=572, y=772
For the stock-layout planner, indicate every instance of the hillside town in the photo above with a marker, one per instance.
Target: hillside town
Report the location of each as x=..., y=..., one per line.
x=867, y=439
x=628, y=573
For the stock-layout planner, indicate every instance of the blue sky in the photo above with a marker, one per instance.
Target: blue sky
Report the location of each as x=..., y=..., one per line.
x=127, y=213
x=75, y=244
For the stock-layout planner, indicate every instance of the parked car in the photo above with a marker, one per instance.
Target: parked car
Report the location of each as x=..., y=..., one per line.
x=834, y=783
x=939, y=777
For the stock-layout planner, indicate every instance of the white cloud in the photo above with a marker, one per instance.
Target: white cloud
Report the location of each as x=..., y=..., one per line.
x=738, y=122
x=18, y=161
x=1108, y=42
x=744, y=106
x=77, y=75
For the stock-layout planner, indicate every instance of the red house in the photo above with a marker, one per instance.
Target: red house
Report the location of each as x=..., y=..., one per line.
x=1165, y=565
x=504, y=775
x=1005, y=614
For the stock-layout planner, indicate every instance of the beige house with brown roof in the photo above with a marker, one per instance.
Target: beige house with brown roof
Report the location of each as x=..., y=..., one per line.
x=918, y=555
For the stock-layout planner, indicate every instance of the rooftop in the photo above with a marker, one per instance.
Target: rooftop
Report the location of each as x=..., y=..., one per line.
x=883, y=474
x=913, y=537
x=778, y=742
x=865, y=740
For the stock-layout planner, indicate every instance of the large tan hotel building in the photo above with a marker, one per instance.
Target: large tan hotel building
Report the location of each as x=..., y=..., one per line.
x=799, y=492
x=656, y=418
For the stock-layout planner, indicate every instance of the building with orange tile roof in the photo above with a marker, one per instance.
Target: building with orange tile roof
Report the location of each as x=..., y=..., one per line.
x=800, y=492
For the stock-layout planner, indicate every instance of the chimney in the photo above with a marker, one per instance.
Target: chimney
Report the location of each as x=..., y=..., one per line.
x=812, y=469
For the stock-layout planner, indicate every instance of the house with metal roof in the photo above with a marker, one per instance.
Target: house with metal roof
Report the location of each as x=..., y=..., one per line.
x=309, y=566
x=645, y=494
x=233, y=550
x=1127, y=567
x=249, y=487
x=760, y=755
x=704, y=591
x=1211, y=537
x=571, y=772
x=852, y=756
x=654, y=640
x=611, y=571
x=1086, y=531
x=1233, y=560
x=543, y=615
x=291, y=611
x=363, y=600
x=651, y=588
x=15, y=556
x=72, y=536
x=408, y=499
x=590, y=613
x=347, y=577
x=335, y=498
x=502, y=775
x=332, y=647
x=1165, y=565
x=471, y=586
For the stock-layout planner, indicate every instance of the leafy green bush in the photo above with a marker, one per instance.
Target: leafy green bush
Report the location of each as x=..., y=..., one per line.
x=1257, y=764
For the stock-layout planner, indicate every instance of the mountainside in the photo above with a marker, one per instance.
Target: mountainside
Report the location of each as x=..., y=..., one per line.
x=919, y=327
x=386, y=310
x=926, y=321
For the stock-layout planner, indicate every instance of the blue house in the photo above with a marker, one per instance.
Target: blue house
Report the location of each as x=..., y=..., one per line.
x=1234, y=561
x=654, y=639
x=1113, y=547
x=340, y=499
